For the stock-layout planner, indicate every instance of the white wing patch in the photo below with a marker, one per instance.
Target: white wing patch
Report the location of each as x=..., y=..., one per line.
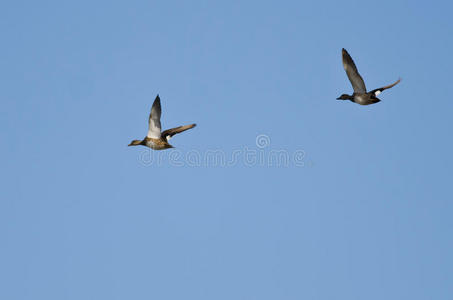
x=153, y=131
x=377, y=93
x=168, y=138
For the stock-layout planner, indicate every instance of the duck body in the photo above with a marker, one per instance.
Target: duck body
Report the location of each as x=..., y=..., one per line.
x=157, y=144
x=364, y=99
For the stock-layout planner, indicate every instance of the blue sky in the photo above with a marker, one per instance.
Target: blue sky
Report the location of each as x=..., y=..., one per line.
x=367, y=216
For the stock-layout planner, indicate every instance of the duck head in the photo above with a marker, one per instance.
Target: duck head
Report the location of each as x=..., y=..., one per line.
x=344, y=97
x=135, y=143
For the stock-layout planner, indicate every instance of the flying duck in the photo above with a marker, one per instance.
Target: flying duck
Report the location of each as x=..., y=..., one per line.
x=360, y=95
x=156, y=139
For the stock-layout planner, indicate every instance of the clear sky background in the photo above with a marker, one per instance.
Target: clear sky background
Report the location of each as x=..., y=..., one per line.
x=83, y=216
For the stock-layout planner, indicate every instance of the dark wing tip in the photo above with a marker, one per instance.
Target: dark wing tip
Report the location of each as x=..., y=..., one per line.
x=393, y=84
x=157, y=101
x=345, y=53
x=156, y=108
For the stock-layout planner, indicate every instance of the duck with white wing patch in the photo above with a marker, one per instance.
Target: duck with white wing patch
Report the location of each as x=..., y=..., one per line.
x=155, y=139
x=360, y=95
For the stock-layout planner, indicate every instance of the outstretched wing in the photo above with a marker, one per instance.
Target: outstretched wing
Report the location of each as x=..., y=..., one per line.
x=351, y=70
x=167, y=134
x=380, y=90
x=154, y=120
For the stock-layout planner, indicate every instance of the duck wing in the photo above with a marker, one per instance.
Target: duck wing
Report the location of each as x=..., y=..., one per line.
x=351, y=70
x=154, y=120
x=380, y=90
x=167, y=134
